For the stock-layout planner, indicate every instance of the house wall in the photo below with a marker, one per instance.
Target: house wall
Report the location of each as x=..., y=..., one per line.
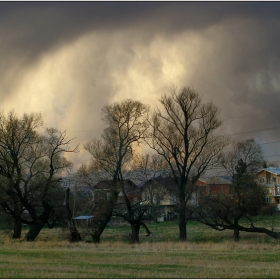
x=166, y=198
x=219, y=189
x=268, y=178
x=260, y=175
x=270, y=183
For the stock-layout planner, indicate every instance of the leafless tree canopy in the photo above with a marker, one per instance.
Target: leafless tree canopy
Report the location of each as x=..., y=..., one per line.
x=238, y=209
x=29, y=165
x=248, y=150
x=183, y=134
x=127, y=127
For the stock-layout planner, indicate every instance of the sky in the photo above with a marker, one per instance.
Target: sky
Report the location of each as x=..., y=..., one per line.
x=69, y=59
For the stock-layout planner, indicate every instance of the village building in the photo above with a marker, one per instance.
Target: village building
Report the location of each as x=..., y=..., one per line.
x=159, y=194
x=269, y=178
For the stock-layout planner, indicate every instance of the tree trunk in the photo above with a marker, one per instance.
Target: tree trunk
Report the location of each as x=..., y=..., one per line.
x=107, y=212
x=101, y=226
x=34, y=230
x=38, y=224
x=135, y=229
x=182, y=218
x=182, y=227
x=17, y=229
x=268, y=232
x=74, y=234
x=17, y=221
x=96, y=237
x=236, y=234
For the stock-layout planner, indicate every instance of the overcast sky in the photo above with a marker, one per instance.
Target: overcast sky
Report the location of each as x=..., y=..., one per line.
x=69, y=59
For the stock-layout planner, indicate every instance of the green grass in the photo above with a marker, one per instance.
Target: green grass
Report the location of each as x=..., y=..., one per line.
x=206, y=254
x=147, y=260
x=169, y=232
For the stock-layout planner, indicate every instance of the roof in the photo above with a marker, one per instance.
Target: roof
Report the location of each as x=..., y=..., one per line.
x=274, y=170
x=220, y=180
x=200, y=181
x=226, y=177
x=107, y=184
x=167, y=182
x=83, y=217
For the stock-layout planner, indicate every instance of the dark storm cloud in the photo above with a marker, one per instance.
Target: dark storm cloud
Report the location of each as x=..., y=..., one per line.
x=86, y=54
x=33, y=27
x=29, y=29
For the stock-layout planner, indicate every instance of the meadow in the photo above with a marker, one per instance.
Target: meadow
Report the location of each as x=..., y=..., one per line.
x=206, y=254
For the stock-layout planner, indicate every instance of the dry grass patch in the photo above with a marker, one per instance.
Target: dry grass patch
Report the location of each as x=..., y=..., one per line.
x=206, y=254
x=55, y=259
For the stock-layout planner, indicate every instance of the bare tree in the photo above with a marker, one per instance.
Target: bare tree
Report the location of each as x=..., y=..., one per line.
x=239, y=209
x=56, y=144
x=30, y=165
x=17, y=136
x=183, y=135
x=241, y=163
x=248, y=151
x=127, y=126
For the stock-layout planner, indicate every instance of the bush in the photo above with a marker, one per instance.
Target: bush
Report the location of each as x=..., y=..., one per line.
x=268, y=210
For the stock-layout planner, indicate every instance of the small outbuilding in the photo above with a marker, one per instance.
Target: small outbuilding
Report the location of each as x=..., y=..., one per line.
x=83, y=221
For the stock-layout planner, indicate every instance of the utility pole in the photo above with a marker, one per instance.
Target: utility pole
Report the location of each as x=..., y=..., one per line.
x=74, y=203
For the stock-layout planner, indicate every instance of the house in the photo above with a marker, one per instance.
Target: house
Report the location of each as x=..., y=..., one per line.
x=95, y=199
x=215, y=186
x=102, y=190
x=202, y=186
x=219, y=185
x=159, y=195
x=269, y=178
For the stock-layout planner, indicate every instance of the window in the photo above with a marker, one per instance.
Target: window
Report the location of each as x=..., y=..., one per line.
x=261, y=180
x=267, y=199
x=108, y=196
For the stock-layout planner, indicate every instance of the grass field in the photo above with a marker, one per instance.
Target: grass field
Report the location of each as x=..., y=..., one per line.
x=206, y=254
